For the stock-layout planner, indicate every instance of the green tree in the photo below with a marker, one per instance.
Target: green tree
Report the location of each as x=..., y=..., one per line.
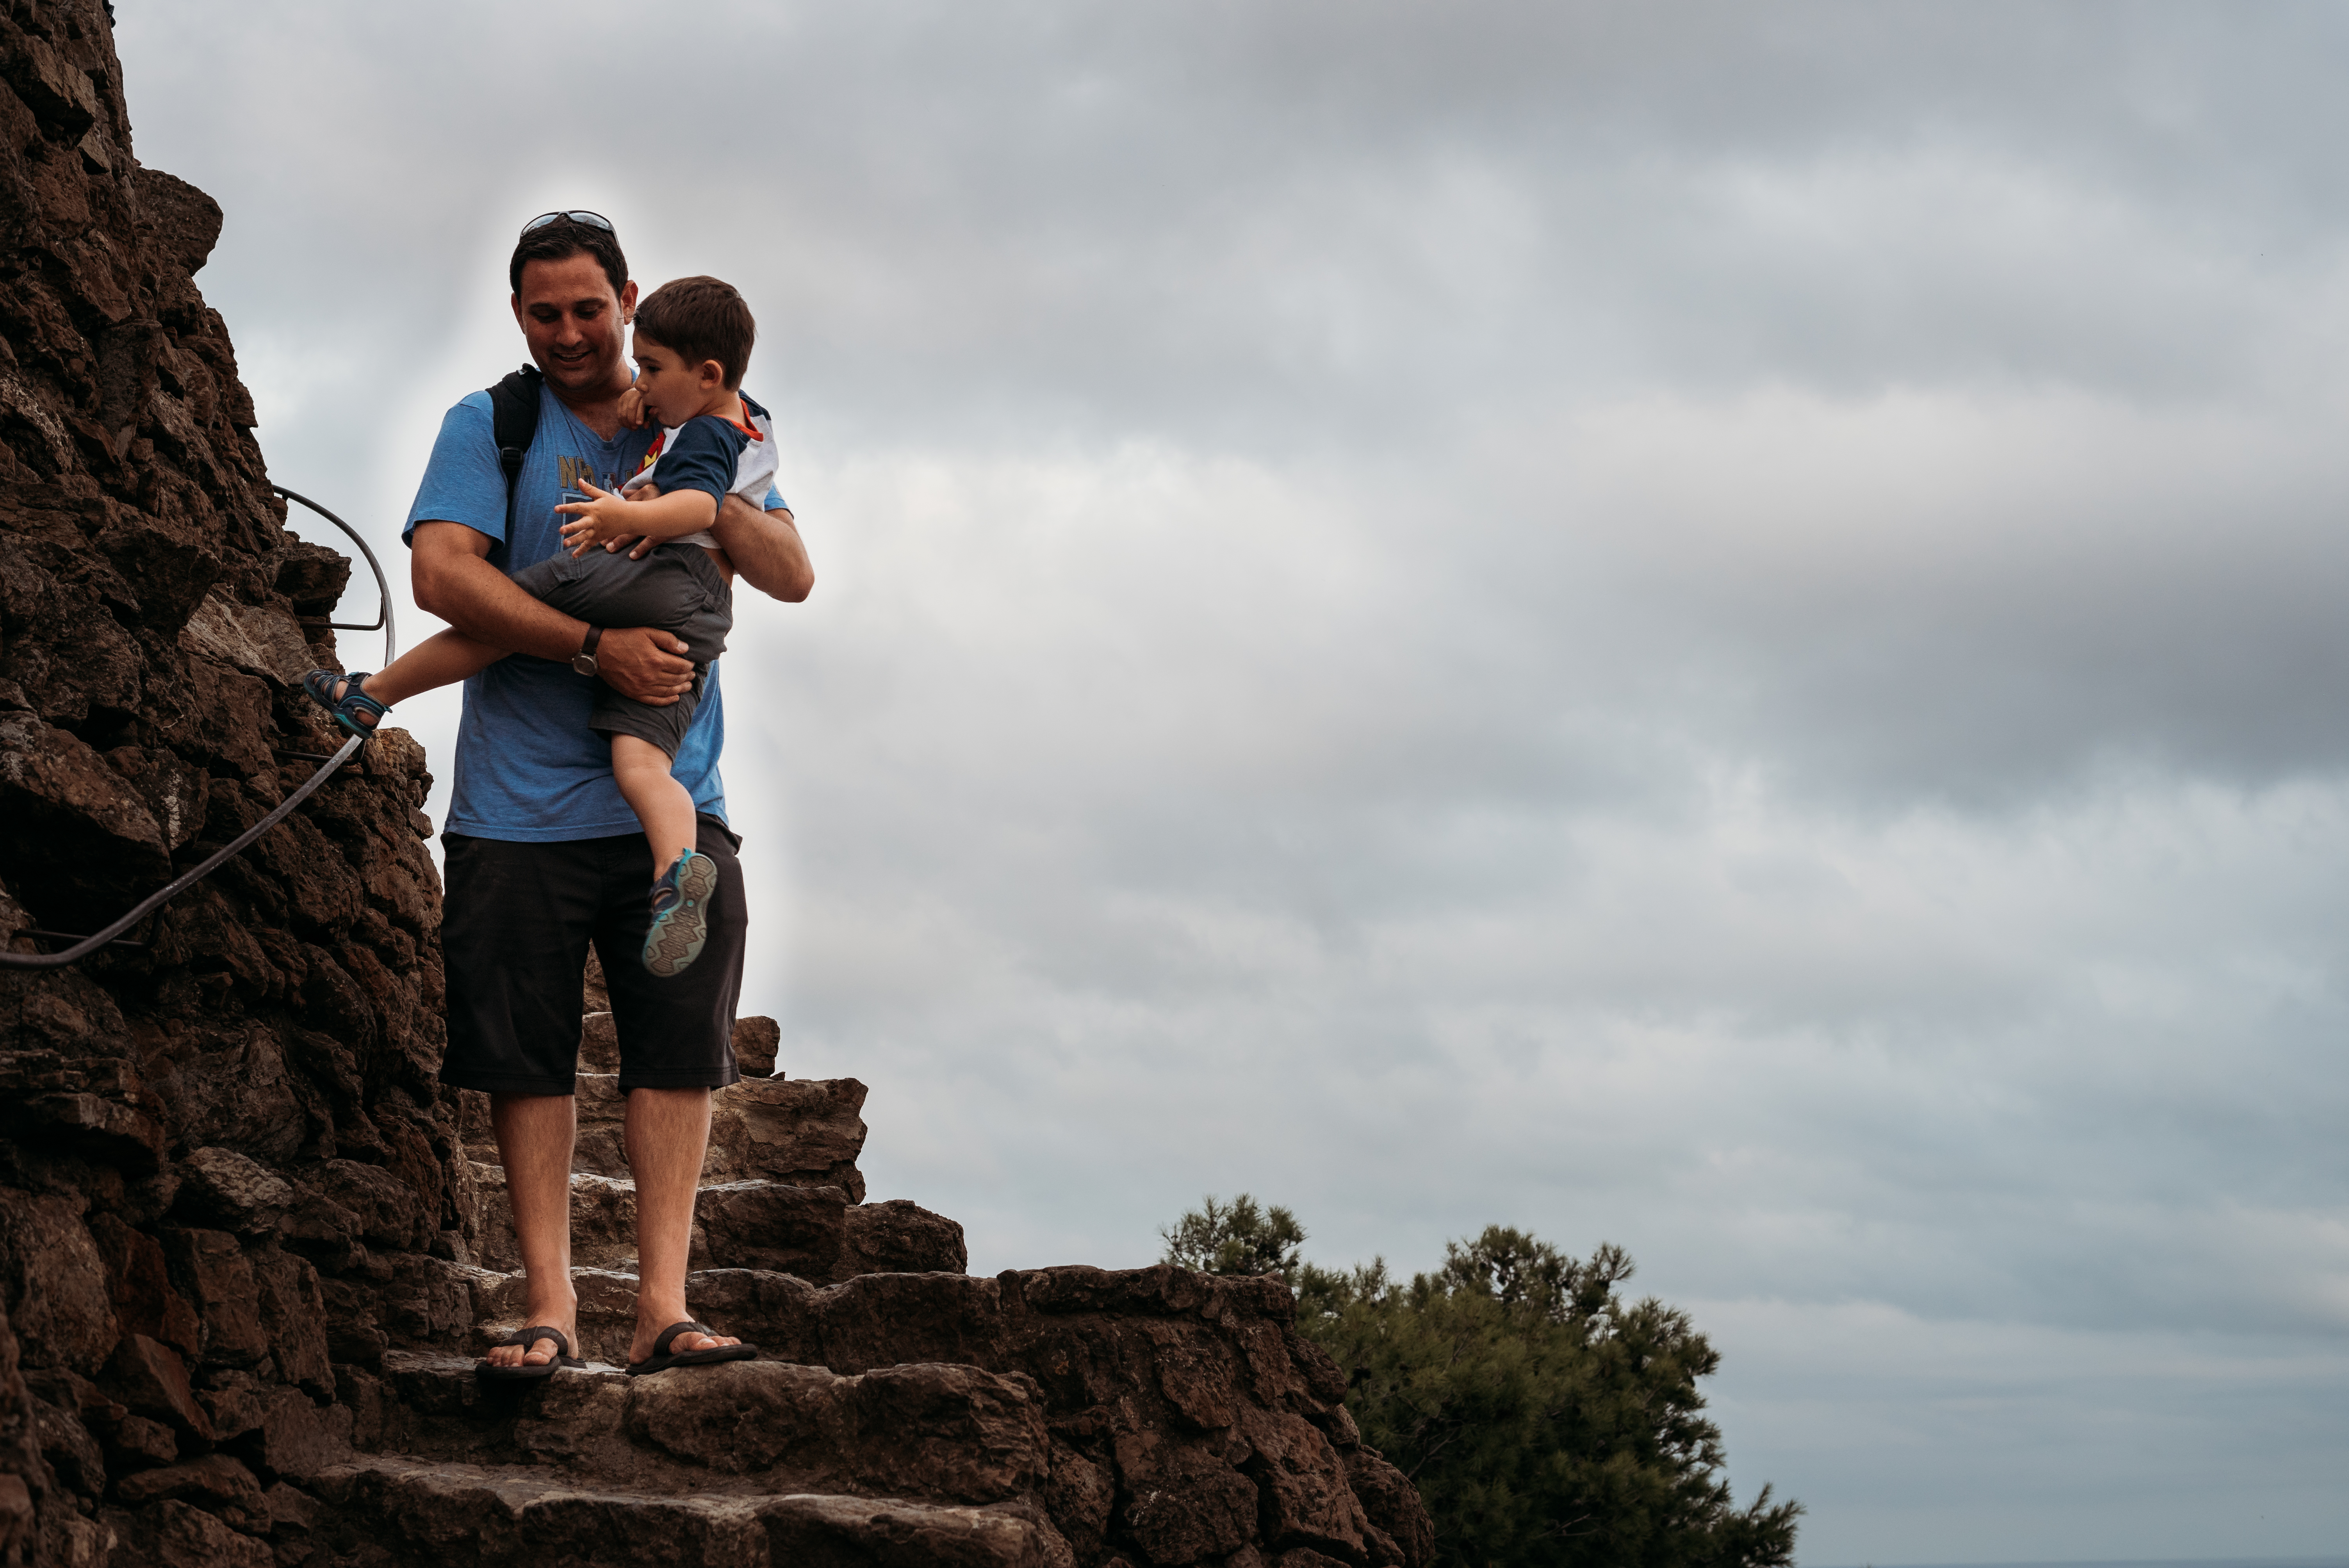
x=1234, y=1238
x=1546, y=1419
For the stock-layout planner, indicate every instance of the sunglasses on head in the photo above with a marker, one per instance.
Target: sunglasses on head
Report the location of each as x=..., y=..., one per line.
x=593, y=219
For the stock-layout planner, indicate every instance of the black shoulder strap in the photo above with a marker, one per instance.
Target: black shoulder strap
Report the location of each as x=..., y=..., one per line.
x=513, y=411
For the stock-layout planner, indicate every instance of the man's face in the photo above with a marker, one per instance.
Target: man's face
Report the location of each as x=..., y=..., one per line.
x=673, y=390
x=572, y=320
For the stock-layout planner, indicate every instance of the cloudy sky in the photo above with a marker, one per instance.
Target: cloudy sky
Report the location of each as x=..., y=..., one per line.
x=1713, y=626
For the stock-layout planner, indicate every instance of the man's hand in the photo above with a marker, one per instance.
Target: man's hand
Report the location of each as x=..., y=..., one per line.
x=646, y=664
x=765, y=549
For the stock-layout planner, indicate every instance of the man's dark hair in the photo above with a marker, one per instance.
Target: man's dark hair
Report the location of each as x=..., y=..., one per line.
x=700, y=318
x=562, y=238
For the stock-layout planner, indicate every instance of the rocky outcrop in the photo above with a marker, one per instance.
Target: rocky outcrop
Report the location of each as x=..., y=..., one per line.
x=249, y=1247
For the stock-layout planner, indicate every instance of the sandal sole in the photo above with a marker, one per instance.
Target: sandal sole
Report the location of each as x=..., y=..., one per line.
x=675, y=939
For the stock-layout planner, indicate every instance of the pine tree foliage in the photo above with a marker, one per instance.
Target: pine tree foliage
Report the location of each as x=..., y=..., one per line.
x=1234, y=1238
x=1546, y=1419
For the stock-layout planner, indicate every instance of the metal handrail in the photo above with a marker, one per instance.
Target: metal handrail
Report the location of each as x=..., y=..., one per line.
x=179, y=885
x=383, y=588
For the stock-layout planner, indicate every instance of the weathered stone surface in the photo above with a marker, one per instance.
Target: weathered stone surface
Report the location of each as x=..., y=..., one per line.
x=755, y=1042
x=1307, y=1500
x=212, y=1272
x=138, y=1282
x=53, y=1284
x=221, y=1187
x=150, y=1380
x=894, y=1237
x=176, y=1534
x=771, y=1226
x=499, y=1517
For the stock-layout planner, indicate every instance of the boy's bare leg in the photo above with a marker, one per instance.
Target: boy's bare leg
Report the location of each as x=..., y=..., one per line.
x=663, y=805
x=441, y=659
x=535, y=1132
x=667, y=1134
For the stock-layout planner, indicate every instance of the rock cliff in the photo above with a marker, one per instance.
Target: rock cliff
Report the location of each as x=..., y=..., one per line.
x=248, y=1245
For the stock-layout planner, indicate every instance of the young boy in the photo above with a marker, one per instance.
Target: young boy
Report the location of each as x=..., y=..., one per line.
x=693, y=339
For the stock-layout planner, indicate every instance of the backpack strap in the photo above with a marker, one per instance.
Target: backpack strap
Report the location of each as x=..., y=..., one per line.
x=514, y=417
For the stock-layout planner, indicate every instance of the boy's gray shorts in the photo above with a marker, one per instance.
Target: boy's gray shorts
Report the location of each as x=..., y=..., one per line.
x=677, y=588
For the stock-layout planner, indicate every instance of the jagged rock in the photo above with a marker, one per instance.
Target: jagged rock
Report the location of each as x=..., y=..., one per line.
x=756, y=1041
x=149, y=1379
x=138, y=1281
x=54, y=1284
x=800, y=1130
x=1391, y=1504
x=176, y=1534
x=771, y=1225
x=898, y=1237
x=224, y=1188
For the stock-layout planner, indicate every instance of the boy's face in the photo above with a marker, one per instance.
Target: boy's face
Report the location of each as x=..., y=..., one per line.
x=673, y=390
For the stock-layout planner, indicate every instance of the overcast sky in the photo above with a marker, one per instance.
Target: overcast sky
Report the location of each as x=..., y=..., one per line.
x=1715, y=627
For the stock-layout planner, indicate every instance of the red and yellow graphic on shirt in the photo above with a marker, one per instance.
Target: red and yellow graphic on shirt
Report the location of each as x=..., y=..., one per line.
x=654, y=451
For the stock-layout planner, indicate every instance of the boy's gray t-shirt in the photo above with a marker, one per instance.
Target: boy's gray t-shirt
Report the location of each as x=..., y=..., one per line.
x=527, y=766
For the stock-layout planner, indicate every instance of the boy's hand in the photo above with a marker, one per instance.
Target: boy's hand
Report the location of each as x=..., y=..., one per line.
x=632, y=409
x=599, y=520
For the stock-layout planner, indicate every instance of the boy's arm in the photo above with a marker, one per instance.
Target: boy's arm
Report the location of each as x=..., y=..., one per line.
x=450, y=572
x=604, y=518
x=763, y=547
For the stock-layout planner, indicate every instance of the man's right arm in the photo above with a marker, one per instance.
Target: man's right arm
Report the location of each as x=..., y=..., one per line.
x=450, y=572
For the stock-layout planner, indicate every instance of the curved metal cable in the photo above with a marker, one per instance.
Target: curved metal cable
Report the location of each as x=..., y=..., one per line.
x=382, y=587
x=181, y=884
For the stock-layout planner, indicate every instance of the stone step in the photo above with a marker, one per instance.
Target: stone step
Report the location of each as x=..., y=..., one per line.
x=804, y=1131
x=937, y=1433
x=813, y=1232
x=390, y=1512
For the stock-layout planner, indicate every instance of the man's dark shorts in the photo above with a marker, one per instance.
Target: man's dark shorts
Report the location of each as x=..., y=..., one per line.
x=678, y=588
x=514, y=932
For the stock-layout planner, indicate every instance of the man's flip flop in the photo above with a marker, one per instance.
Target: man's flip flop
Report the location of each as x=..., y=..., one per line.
x=489, y=1372
x=660, y=1360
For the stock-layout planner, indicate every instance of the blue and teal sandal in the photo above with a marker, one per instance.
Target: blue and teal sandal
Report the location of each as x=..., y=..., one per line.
x=680, y=914
x=320, y=684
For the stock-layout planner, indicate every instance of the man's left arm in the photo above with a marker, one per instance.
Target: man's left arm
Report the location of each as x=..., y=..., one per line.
x=765, y=548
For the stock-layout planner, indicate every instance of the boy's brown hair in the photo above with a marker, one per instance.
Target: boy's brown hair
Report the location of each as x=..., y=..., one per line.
x=701, y=318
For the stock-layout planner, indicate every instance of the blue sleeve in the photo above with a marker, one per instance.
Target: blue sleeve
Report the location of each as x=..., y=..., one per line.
x=464, y=482
x=701, y=457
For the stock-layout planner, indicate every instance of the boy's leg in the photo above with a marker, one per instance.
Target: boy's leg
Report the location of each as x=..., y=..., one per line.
x=444, y=658
x=663, y=805
x=441, y=659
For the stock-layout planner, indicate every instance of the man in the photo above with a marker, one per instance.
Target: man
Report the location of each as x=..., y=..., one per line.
x=543, y=855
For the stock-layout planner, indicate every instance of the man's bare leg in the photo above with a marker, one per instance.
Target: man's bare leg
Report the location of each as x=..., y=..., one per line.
x=667, y=1134
x=534, y=1138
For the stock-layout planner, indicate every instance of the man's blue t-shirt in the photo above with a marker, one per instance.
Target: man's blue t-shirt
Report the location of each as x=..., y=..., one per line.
x=528, y=768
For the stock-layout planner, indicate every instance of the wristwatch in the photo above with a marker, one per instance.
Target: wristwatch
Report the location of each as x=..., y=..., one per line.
x=583, y=661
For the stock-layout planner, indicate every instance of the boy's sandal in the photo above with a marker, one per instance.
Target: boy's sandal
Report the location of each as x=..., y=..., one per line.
x=525, y=1372
x=320, y=684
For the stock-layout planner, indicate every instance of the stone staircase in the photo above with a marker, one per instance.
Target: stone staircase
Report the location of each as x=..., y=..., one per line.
x=902, y=1413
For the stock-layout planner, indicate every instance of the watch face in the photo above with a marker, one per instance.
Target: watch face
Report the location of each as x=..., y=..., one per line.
x=583, y=663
